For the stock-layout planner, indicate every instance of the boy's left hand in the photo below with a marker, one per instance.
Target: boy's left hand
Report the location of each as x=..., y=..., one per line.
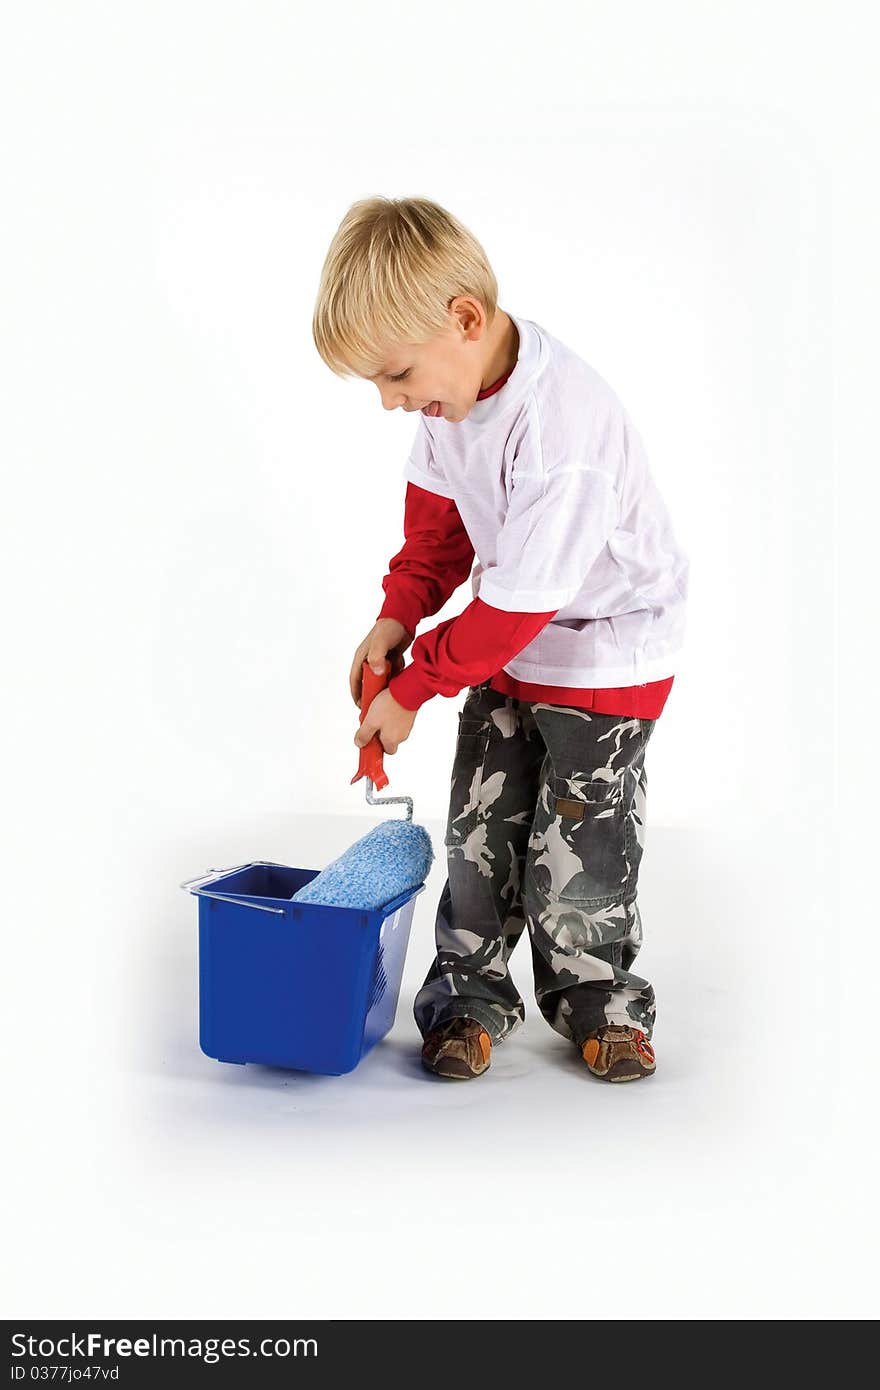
x=389, y=720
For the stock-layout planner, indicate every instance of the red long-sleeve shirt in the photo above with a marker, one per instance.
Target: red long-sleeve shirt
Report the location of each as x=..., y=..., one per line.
x=435, y=559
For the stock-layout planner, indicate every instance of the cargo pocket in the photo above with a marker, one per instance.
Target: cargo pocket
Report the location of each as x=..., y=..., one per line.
x=583, y=857
x=467, y=777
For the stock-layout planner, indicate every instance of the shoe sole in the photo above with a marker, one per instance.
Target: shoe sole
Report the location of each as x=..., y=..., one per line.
x=454, y=1069
x=622, y=1071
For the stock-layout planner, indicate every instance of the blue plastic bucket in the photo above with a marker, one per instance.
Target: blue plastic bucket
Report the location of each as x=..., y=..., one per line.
x=296, y=985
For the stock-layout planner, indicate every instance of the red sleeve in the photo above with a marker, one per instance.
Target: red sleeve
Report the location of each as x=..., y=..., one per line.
x=464, y=651
x=436, y=557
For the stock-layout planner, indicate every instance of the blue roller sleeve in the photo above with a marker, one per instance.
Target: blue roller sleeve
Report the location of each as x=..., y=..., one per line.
x=393, y=858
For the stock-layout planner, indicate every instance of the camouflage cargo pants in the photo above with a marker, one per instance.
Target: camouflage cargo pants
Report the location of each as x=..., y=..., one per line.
x=546, y=829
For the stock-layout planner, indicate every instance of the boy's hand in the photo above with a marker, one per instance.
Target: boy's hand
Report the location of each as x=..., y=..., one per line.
x=389, y=720
x=387, y=639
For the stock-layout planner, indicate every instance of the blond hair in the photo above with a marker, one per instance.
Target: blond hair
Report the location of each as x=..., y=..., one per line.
x=392, y=270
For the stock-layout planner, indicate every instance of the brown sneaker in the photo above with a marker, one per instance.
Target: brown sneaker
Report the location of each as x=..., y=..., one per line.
x=616, y=1053
x=460, y=1047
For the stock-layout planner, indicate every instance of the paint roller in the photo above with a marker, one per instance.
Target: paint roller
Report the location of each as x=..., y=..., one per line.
x=391, y=859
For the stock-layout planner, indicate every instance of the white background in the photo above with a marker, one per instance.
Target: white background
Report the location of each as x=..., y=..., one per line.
x=197, y=516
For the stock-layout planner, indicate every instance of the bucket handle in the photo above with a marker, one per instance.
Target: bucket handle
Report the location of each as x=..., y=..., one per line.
x=388, y=909
x=222, y=897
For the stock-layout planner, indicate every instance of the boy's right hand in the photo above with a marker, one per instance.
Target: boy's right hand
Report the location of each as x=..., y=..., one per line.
x=389, y=639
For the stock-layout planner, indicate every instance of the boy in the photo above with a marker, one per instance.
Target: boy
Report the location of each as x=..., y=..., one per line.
x=525, y=459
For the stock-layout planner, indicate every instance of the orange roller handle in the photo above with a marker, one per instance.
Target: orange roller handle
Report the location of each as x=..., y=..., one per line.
x=370, y=764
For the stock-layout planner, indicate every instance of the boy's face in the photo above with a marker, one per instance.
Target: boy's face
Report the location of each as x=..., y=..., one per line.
x=442, y=377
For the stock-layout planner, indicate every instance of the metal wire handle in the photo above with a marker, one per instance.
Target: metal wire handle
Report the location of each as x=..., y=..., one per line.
x=222, y=897
x=388, y=909
x=386, y=800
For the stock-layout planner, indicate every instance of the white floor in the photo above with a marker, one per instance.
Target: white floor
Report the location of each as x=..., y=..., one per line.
x=149, y=1181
